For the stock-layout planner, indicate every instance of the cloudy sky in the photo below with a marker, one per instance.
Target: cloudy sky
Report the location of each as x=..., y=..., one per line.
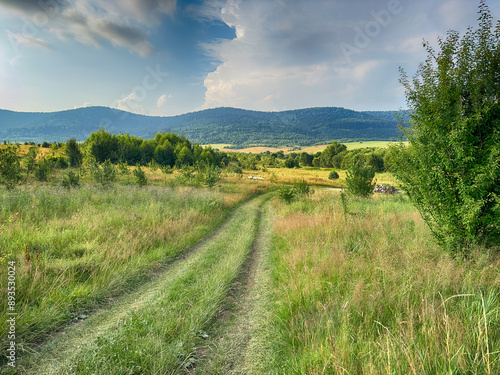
x=167, y=57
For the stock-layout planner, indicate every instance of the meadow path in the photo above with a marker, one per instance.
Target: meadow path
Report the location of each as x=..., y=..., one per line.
x=161, y=328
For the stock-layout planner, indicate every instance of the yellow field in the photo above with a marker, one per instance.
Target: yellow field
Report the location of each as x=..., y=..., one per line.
x=309, y=149
x=42, y=151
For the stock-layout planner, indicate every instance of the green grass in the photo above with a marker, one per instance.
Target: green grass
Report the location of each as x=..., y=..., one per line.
x=370, y=292
x=89, y=244
x=159, y=328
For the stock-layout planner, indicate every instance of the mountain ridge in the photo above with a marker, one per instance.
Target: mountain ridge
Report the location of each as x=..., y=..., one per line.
x=239, y=127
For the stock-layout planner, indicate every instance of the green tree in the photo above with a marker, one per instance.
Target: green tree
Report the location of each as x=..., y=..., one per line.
x=359, y=180
x=73, y=153
x=11, y=172
x=451, y=167
x=327, y=155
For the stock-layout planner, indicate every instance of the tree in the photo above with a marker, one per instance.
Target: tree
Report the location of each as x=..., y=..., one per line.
x=451, y=167
x=359, y=180
x=327, y=155
x=73, y=153
x=11, y=172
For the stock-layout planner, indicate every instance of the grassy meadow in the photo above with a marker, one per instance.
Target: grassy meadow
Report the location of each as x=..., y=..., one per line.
x=342, y=286
x=77, y=249
x=363, y=289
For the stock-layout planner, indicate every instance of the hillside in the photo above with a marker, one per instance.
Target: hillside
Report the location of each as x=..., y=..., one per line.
x=303, y=127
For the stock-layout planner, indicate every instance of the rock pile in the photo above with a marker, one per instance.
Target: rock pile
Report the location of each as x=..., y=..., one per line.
x=385, y=189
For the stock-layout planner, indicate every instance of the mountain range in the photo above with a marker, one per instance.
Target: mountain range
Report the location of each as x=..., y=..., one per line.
x=238, y=127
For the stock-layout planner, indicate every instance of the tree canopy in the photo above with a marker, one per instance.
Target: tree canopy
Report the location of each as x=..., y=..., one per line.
x=451, y=166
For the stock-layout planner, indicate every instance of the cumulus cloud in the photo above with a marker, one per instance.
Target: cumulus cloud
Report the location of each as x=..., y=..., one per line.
x=285, y=55
x=289, y=54
x=130, y=103
x=162, y=100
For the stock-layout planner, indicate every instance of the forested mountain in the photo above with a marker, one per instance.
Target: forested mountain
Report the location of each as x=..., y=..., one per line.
x=238, y=127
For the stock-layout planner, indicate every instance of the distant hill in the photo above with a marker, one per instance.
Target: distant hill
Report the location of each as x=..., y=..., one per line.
x=241, y=128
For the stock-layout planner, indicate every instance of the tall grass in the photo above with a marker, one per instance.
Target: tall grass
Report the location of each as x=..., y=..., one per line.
x=369, y=292
x=76, y=249
x=160, y=328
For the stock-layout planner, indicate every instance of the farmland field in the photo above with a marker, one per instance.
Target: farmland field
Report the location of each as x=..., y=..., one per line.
x=169, y=279
x=308, y=149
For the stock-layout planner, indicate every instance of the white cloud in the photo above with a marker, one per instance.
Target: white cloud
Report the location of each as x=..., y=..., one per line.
x=27, y=41
x=130, y=103
x=285, y=55
x=162, y=100
x=124, y=23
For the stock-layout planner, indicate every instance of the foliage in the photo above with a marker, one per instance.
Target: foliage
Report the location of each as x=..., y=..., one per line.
x=451, y=167
x=329, y=153
x=71, y=180
x=288, y=193
x=359, y=180
x=105, y=174
x=221, y=125
x=73, y=153
x=43, y=169
x=211, y=175
x=333, y=175
x=140, y=176
x=30, y=161
x=11, y=172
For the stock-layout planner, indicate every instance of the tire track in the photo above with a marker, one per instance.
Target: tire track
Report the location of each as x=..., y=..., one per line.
x=54, y=355
x=240, y=345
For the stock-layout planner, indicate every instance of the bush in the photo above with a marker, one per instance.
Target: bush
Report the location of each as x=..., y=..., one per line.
x=42, y=170
x=286, y=193
x=359, y=180
x=105, y=174
x=140, y=176
x=73, y=153
x=333, y=175
x=71, y=180
x=11, y=172
x=450, y=167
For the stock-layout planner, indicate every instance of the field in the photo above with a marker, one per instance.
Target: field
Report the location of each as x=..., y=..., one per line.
x=175, y=279
x=309, y=149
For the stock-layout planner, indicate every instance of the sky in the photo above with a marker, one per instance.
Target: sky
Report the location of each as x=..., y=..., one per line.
x=168, y=57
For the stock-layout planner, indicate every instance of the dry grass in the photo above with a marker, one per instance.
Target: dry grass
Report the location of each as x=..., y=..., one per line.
x=371, y=293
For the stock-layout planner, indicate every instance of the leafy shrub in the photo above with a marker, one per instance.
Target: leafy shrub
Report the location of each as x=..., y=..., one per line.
x=42, y=170
x=359, y=180
x=73, y=153
x=11, y=172
x=105, y=174
x=123, y=168
x=140, y=176
x=333, y=175
x=71, y=180
x=286, y=193
x=301, y=187
x=58, y=162
x=450, y=167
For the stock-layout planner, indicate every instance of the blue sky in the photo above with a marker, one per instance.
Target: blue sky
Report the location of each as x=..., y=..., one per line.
x=168, y=57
